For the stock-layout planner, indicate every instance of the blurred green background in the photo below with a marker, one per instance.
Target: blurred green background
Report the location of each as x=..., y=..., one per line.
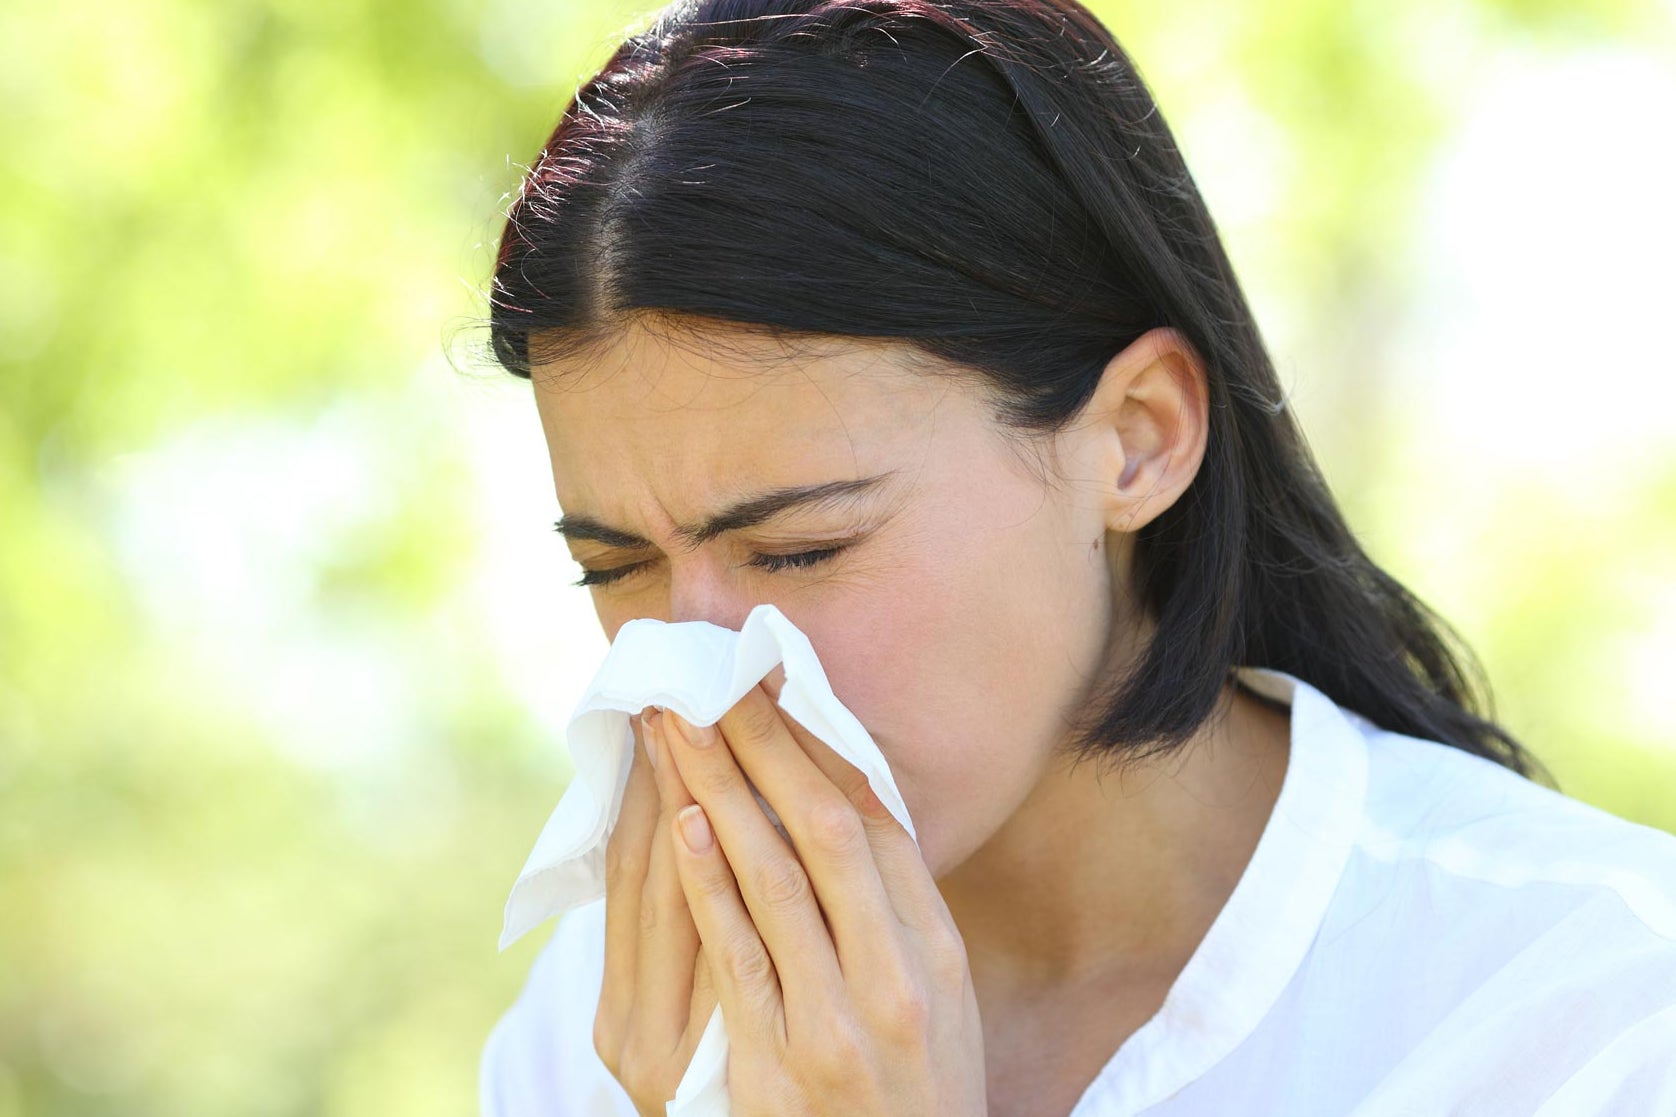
x=286, y=644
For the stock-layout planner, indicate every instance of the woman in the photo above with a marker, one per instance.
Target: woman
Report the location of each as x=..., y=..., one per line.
x=907, y=317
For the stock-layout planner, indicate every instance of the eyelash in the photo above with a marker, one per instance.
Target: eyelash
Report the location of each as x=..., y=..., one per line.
x=774, y=564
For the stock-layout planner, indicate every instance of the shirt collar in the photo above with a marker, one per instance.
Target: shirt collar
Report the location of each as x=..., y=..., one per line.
x=1265, y=929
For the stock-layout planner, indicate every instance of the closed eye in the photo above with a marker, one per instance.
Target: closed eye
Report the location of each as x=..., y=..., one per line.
x=776, y=563
x=772, y=563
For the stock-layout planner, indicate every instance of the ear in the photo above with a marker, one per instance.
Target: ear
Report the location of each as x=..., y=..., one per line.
x=1143, y=432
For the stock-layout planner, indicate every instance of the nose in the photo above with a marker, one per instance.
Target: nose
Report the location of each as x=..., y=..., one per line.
x=701, y=589
x=706, y=592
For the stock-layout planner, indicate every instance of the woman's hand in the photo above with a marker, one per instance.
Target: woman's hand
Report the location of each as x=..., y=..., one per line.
x=656, y=996
x=842, y=978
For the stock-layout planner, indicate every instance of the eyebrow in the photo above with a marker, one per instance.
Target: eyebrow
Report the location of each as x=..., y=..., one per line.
x=741, y=514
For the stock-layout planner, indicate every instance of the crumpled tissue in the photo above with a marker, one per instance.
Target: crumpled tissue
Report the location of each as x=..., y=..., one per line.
x=699, y=670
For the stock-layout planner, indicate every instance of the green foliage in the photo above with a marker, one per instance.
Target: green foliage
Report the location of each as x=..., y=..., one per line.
x=239, y=508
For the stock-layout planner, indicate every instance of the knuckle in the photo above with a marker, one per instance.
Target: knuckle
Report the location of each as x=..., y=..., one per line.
x=718, y=777
x=621, y=868
x=782, y=883
x=905, y=1011
x=746, y=963
x=871, y=808
x=607, y=1045
x=633, y=1067
x=650, y=918
x=757, y=722
x=842, y=1049
x=946, y=955
x=715, y=885
x=637, y=1075
x=613, y=864
x=836, y=829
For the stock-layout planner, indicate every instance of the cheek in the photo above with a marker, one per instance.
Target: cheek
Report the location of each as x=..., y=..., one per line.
x=885, y=647
x=959, y=683
x=963, y=671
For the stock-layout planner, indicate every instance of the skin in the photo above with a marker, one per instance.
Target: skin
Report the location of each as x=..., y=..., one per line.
x=980, y=595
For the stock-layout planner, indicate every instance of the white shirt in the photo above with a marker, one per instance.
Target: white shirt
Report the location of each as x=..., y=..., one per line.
x=1419, y=932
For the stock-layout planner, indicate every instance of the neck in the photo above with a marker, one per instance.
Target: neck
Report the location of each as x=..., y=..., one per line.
x=1103, y=872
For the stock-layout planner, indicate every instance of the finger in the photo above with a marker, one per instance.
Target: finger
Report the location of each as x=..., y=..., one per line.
x=830, y=835
x=774, y=885
x=907, y=879
x=668, y=943
x=740, y=968
x=704, y=993
x=627, y=853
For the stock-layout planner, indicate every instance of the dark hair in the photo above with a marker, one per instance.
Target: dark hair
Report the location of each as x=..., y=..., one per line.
x=991, y=182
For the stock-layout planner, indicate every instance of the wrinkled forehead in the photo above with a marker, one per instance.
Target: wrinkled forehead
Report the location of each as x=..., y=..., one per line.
x=654, y=427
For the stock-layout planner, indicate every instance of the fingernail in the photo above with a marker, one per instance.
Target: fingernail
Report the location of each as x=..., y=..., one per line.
x=695, y=828
x=649, y=729
x=698, y=736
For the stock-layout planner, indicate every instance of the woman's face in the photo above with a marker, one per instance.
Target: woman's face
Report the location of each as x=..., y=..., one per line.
x=960, y=600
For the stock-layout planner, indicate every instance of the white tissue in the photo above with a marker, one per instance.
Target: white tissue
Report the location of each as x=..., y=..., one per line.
x=699, y=670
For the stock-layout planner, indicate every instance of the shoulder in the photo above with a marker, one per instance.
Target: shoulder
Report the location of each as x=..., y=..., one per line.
x=1456, y=817
x=1635, y=1073
x=539, y=1059
x=1535, y=936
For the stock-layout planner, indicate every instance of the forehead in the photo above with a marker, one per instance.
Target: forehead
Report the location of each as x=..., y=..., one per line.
x=720, y=393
